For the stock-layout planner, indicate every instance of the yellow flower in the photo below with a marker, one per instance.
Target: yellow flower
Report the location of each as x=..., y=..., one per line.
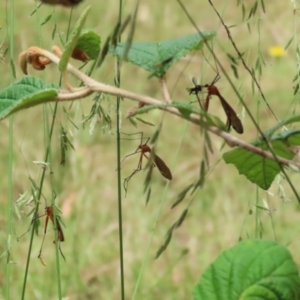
x=277, y=51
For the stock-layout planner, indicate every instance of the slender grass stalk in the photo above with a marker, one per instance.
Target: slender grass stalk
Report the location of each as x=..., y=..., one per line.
x=162, y=201
x=48, y=132
x=10, y=27
x=9, y=206
x=273, y=225
x=48, y=157
x=119, y=184
x=41, y=183
x=257, y=215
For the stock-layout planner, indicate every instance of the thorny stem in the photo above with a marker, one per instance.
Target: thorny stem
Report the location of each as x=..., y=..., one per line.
x=92, y=85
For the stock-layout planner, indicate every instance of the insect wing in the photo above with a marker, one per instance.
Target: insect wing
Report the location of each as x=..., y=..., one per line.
x=194, y=80
x=232, y=118
x=66, y=3
x=162, y=167
x=60, y=233
x=237, y=124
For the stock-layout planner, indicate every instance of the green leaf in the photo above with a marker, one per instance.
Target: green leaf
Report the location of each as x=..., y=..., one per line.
x=46, y=19
x=148, y=196
x=260, y=170
x=262, y=207
x=133, y=122
x=289, y=42
x=293, y=119
x=185, y=109
x=89, y=42
x=256, y=168
x=69, y=118
x=144, y=121
x=181, y=218
x=164, y=246
x=201, y=179
x=205, y=118
x=291, y=136
x=156, y=134
x=27, y=92
x=53, y=32
x=104, y=52
x=182, y=195
x=157, y=58
x=170, y=233
x=251, y=270
x=73, y=40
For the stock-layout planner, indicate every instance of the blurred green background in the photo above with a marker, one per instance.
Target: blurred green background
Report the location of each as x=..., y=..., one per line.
x=87, y=186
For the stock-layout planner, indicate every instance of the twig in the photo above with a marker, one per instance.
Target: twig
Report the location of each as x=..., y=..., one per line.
x=92, y=85
x=164, y=89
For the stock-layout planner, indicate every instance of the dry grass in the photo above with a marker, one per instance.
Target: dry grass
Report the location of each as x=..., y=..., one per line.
x=87, y=186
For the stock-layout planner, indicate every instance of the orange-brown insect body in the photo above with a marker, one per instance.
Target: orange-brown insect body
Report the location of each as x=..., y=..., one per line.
x=232, y=118
x=144, y=148
x=162, y=167
x=60, y=235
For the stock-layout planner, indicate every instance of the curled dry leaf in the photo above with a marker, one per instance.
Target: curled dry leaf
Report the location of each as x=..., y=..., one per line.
x=80, y=55
x=33, y=56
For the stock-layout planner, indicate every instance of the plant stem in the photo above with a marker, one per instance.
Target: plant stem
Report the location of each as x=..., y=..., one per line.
x=10, y=161
x=119, y=186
